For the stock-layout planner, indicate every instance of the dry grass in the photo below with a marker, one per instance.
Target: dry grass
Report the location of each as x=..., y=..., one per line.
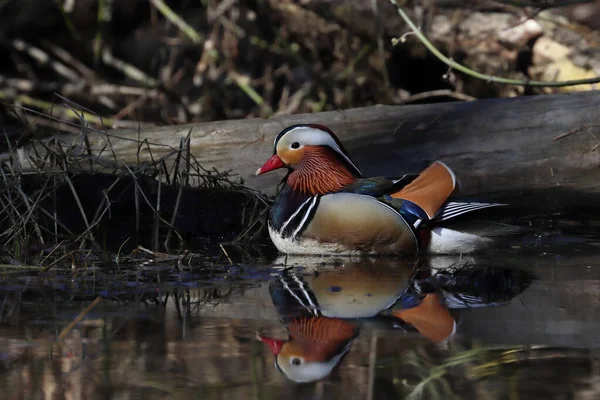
x=33, y=225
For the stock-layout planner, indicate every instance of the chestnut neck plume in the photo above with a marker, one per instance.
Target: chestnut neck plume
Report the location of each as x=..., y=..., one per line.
x=320, y=171
x=322, y=337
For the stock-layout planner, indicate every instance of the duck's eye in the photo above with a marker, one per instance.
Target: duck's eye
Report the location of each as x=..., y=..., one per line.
x=295, y=145
x=296, y=361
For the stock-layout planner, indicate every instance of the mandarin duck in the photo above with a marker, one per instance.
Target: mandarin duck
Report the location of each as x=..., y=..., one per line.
x=326, y=206
x=326, y=311
x=321, y=313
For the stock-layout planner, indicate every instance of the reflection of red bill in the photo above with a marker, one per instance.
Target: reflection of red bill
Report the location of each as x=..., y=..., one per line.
x=273, y=344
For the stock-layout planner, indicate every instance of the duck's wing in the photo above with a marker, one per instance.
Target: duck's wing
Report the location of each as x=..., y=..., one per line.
x=427, y=196
x=430, y=318
x=430, y=190
x=423, y=197
x=379, y=186
x=452, y=209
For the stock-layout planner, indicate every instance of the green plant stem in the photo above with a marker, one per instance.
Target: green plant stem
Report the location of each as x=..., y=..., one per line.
x=250, y=92
x=172, y=16
x=366, y=49
x=489, y=78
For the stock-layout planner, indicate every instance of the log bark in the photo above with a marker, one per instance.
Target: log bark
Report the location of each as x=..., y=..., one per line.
x=541, y=145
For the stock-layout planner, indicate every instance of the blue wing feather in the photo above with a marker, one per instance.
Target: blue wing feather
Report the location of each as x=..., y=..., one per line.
x=378, y=186
x=381, y=187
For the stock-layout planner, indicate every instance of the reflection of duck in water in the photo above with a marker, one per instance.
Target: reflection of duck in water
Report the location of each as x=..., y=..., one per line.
x=325, y=312
x=314, y=347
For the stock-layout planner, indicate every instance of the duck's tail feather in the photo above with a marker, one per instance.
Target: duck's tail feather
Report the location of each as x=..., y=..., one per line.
x=453, y=209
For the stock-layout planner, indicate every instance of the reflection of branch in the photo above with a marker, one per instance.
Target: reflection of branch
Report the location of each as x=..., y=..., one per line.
x=77, y=319
x=490, y=78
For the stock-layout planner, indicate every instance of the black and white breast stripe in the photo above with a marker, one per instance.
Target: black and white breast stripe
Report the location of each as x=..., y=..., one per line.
x=293, y=298
x=298, y=221
x=296, y=287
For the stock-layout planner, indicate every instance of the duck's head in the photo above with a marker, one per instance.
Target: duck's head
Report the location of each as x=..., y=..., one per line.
x=315, y=156
x=314, y=348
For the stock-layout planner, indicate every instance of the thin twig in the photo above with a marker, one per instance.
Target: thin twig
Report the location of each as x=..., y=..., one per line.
x=69, y=59
x=379, y=26
x=127, y=69
x=157, y=213
x=53, y=263
x=183, y=181
x=136, y=199
x=363, y=52
x=569, y=133
x=594, y=137
x=437, y=93
x=79, y=205
x=148, y=203
x=56, y=247
x=24, y=100
x=489, y=78
x=172, y=16
x=226, y=254
x=43, y=58
x=243, y=84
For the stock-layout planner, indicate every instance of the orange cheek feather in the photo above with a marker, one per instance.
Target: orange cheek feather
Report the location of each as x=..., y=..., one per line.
x=318, y=338
x=290, y=156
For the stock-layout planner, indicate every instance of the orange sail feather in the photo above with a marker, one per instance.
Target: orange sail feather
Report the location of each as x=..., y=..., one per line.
x=430, y=189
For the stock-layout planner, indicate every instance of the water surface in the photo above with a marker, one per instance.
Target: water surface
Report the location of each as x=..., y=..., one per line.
x=527, y=323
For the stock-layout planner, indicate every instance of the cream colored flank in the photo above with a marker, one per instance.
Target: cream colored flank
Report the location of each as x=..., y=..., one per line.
x=348, y=223
x=363, y=290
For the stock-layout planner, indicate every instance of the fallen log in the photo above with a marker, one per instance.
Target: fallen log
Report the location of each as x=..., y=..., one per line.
x=545, y=146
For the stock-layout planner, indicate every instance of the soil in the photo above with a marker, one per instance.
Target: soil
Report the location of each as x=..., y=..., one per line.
x=129, y=65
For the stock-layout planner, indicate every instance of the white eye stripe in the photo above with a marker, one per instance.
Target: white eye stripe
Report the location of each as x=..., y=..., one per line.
x=305, y=135
x=309, y=136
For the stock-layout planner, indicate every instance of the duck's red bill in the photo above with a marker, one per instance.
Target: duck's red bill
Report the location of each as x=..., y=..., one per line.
x=273, y=344
x=273, y=163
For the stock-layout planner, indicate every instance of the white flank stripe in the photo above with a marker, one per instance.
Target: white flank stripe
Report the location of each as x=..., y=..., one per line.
x=305, y=218
x=294, y=214
x=287, y=287
x=302, y=287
